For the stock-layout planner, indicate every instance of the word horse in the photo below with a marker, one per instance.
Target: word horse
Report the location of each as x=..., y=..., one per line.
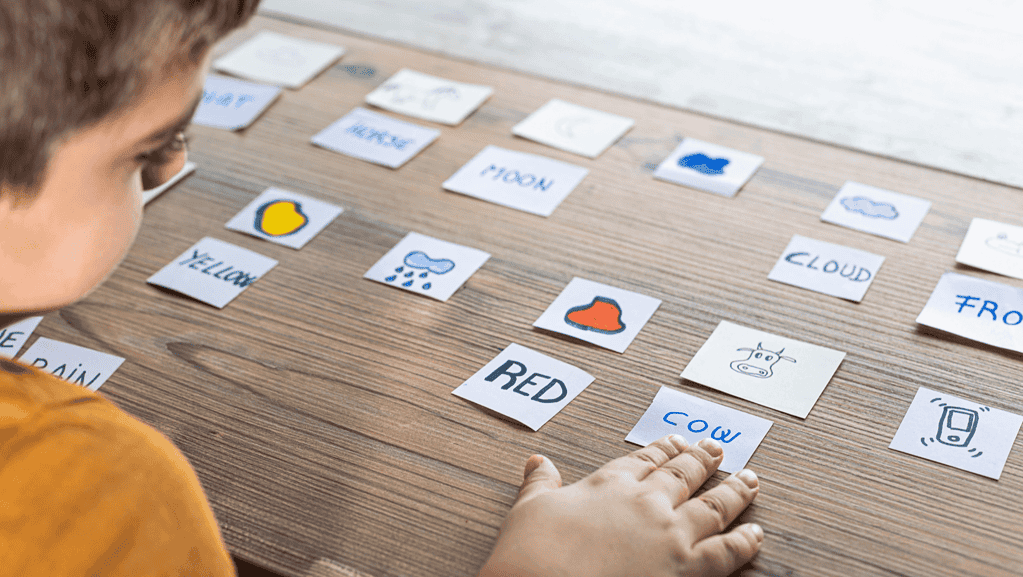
x=759, y=362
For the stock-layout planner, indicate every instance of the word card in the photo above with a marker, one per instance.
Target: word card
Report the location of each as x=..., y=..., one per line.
x=149, y=195
x=573, y=128
x=958, y=433
x=13, y=337
x=676, y=413
x=213, y=271
x=427, y=266
x=877, y=211
x=777, y=372
x=72, y=363
x=708, y=167
x=233, y=104
x=993, y=246
x=524, y=385
x=827, y=268
x=278, y=59
x=428, y=97
x=606, y=316
x=375, y=138
x=977, y=309
x=284, y=217
x=528, y=182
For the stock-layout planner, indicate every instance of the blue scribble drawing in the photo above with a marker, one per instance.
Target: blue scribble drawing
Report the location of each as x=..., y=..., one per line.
x=704, y=164
x=956, y=427
x=867, y=207
x=418, y=260
x=1002, y=243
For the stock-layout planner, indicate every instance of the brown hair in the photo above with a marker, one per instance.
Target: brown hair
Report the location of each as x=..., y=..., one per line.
x=65, y=64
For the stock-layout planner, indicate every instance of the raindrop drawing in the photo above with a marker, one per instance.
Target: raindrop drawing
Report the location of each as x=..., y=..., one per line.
x=760, y=362
x=418, y=260
x=956, y=427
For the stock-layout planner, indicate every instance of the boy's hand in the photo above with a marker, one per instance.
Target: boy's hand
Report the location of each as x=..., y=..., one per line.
x=633, y=516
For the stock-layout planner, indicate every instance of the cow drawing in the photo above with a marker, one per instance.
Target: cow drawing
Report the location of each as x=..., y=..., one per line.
x=759, y=362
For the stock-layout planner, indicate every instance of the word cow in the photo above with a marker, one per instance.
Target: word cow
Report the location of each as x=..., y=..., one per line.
x=759, y=362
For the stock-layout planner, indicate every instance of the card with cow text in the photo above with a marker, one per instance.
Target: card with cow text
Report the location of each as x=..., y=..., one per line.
x=709, y=167
x=525, y=386
x=375, y=138
x=427, y=266
x=606, y=316
x=827, y=268
x=429, y=97
x=958, y=433
x=284, y=217
x=777, y=372
x=72, y=363
x=993, y=246
x=676, y=413
x=527, y=182
x=877, y=211
x=981, y=310
x=277, y=59
x=13, y=337
x=213, y=271
x=577, y=129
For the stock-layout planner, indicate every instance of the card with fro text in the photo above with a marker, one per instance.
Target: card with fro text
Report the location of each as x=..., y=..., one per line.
x=708, y=167
x=233, y=104
x=978, y=309
x=375, y=138
x=284, y=217
x=827, y=268
x=13, y=337
x=213, y=271
x=427, y=266
x=993, y=246
x=429, y=97
x=72, y=363
x=278, y=59
x=877, y=211
x=574, y=128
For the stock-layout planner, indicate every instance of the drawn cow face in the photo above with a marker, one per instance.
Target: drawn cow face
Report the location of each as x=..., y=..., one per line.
x=759, y=362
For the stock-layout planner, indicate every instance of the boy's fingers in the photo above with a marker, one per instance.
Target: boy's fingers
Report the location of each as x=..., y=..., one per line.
x=713, y=511
x=541, y=476
x=683, y=475
x=721, y=555
x=642, y=462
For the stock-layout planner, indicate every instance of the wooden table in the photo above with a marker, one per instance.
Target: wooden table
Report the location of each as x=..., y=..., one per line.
x=317, y=407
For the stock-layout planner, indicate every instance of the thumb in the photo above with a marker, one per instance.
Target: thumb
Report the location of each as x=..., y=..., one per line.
x=541, y=476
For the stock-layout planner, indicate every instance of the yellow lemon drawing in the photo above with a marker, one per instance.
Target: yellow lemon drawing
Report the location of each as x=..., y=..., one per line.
x=280, y=218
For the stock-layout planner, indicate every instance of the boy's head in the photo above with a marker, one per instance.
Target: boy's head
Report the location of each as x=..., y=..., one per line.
x=92, y=92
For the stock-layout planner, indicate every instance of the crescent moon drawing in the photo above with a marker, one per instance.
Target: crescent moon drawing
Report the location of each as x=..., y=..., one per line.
x=567, y=126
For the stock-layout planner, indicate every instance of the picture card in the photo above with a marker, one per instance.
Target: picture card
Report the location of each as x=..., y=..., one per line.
x=676, y=413
x=827, y=268
x=280, y=60
x=427, y=266
x=980, y=310
x=877, y=211
x=597, y=313
x=428, y=97
x=709, y=167
x=213, y=271
x=233, y=104
x=525, y=386
x=573, y=128
x=528, y=182
x=13, y=337
x=375, y=138
x=72, y=363
x=957, y=432
x=993, y=246
x=149, y=195
x=284, y=217
x=777, y=372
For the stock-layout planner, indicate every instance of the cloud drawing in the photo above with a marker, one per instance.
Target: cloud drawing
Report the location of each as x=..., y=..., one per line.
x=867, y=207
x=419, y=259
x=704, y=164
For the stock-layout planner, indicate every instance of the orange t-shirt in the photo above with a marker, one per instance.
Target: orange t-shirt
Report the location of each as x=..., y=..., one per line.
x=87, y=490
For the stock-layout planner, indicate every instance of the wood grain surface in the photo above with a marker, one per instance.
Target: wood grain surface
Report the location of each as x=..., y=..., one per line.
x=317, y=407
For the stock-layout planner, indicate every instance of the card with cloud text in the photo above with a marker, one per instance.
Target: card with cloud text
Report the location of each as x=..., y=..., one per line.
x=284, y=217
x=827, y=268
x=233, y=104
x=72, y=363
x=13, y=337
x=213, y=271
x=375, y=138
x=429, y=97
x=280, y=60
x=708, y=167
x=777, y=372
x=606, y=316
x=428, y=266
x=981, y=310
x=993, y=246
x=577, y=129
x=877, y=211
x=525, y=386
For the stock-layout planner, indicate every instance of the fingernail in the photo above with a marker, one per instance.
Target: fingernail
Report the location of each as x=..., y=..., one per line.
x=530, y=467
x=711, y=446
x=749, y=478
x=758, y=531
x=679, y=441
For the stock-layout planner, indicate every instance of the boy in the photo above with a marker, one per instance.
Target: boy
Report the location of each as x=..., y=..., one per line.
x=94, y=95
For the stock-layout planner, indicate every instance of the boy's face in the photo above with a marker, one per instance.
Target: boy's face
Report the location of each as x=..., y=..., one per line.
x=62, y=243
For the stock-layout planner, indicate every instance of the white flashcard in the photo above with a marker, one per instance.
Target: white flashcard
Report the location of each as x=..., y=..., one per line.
x=676, y=413
x=877, y=211
x=958, y=433
x=777, y=372
x=72, y=363
x=213, y=271
x=981, y=310
x=375, y=138
x=233, y=104
x=993, y=246
x=709, y=167
x=427, y=266
x=528, y=182
x=524, y=385
x=428, y=97
x=13, y=337
x=284, y=217
x=149, y=195
x=606, y=316
x=573, y=128
x=279, y=60
x=827, y=268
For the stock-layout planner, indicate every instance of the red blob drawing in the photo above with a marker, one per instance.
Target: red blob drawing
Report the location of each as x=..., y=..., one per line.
x=603, y=315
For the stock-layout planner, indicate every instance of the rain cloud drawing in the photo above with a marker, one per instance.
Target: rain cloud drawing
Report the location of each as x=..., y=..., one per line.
x=418, y=260
x=867, y=207
x=956, y=427
x=759, y=363
x=704, y=164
